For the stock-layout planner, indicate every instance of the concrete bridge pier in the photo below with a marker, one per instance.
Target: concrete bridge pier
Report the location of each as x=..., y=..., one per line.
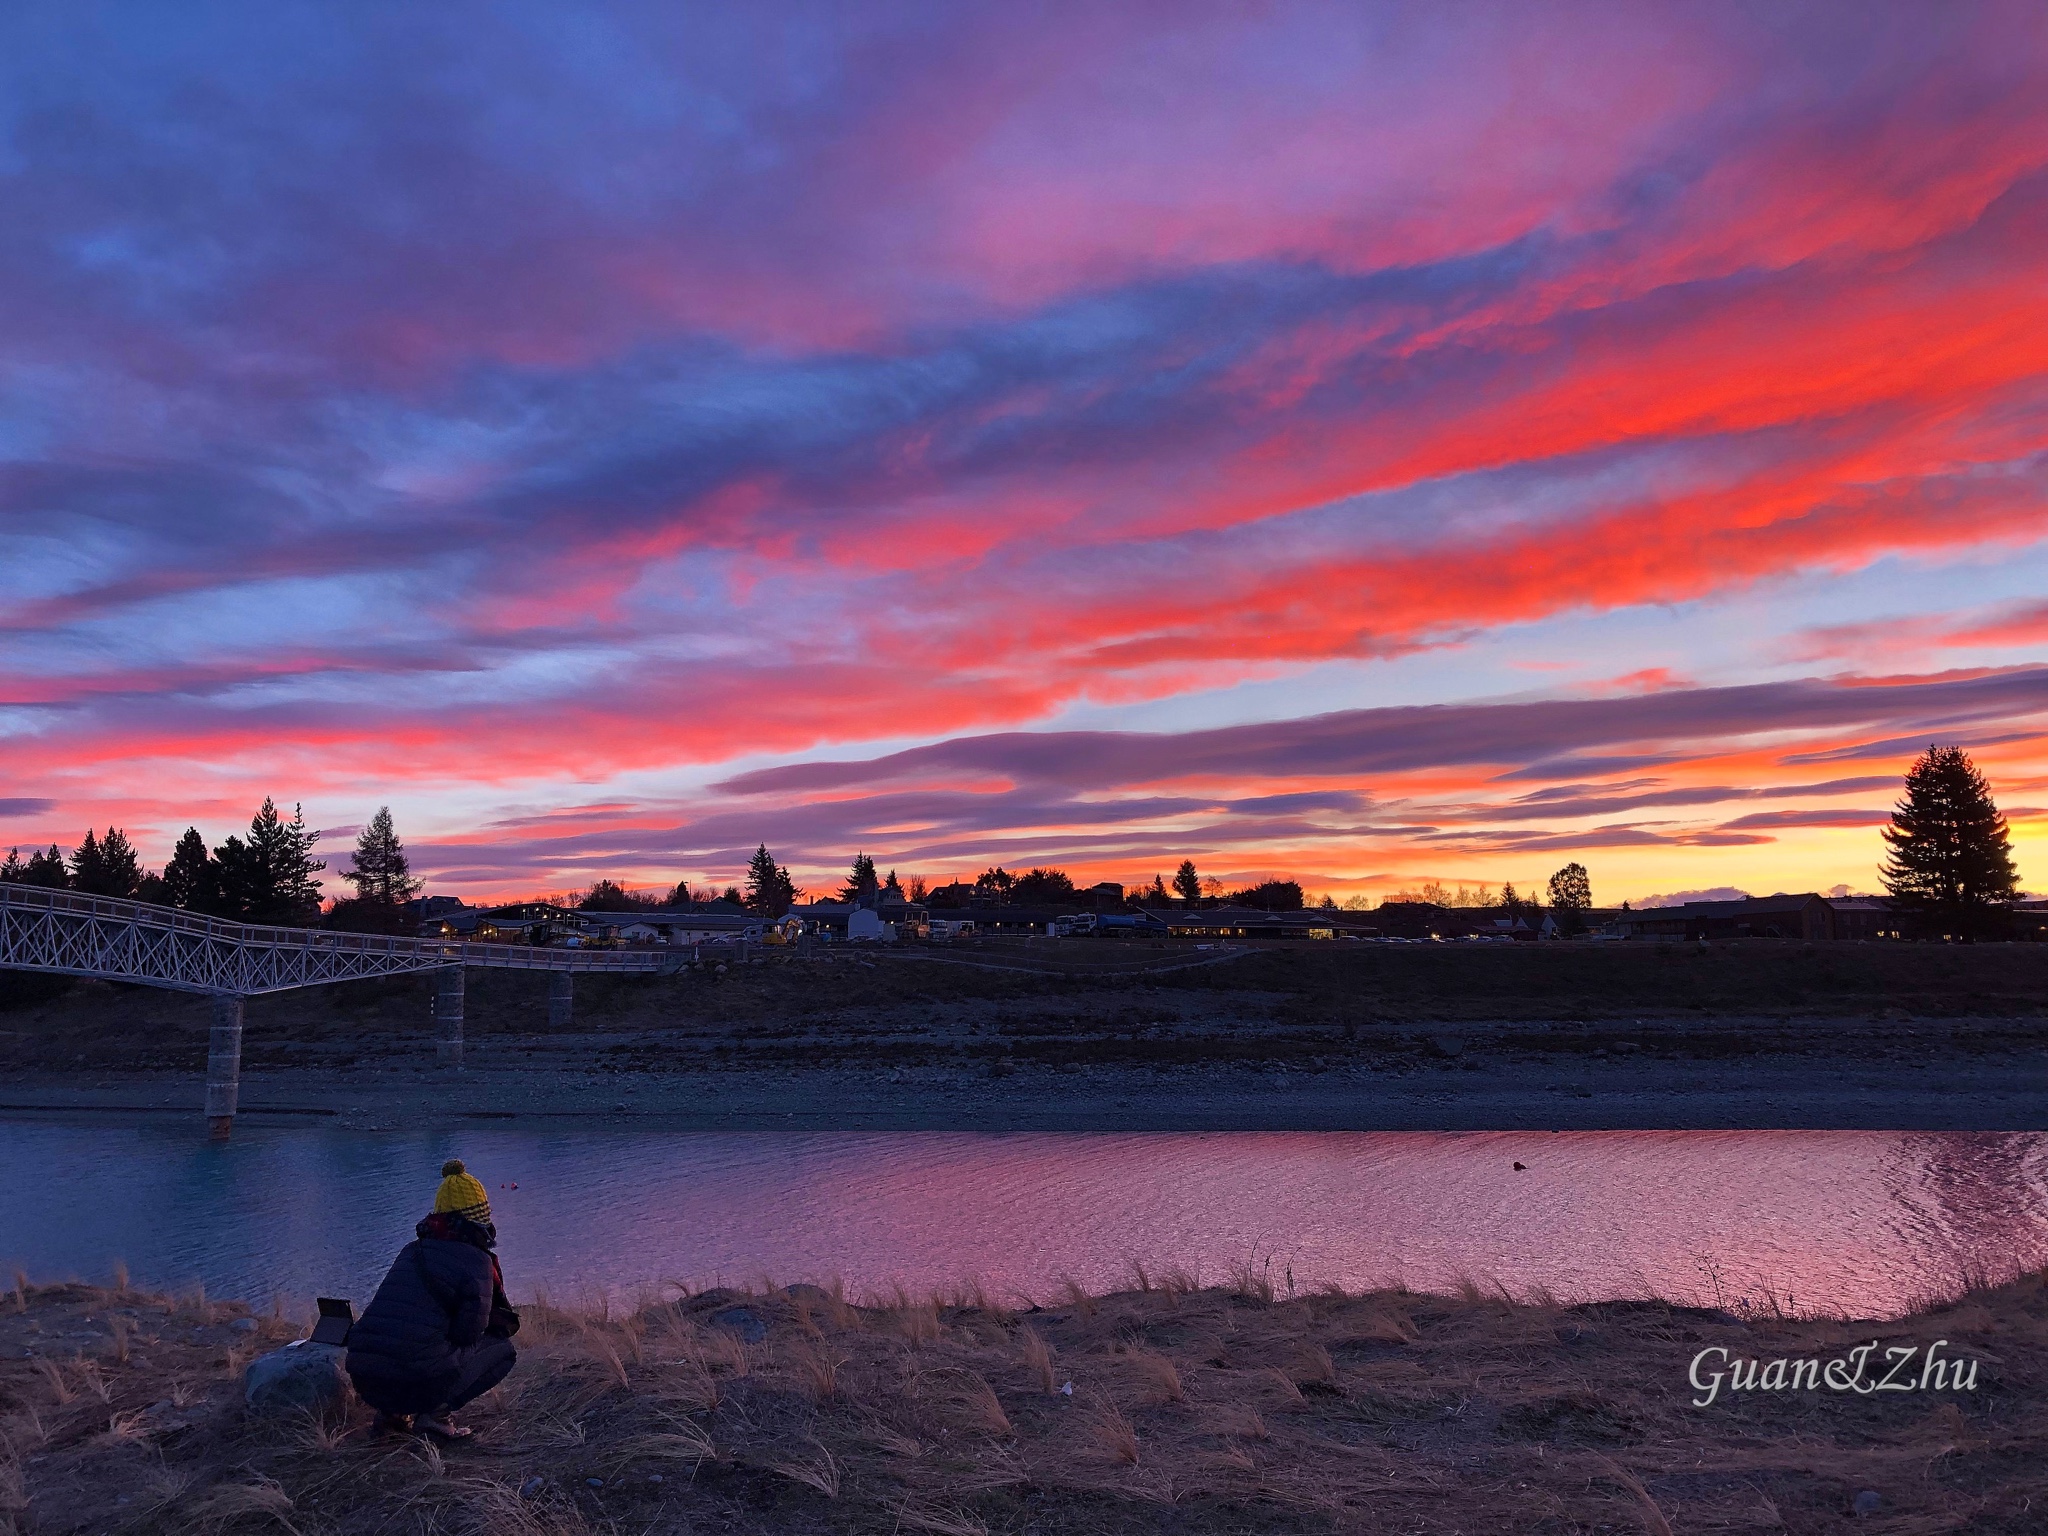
x=561, y=999
x=223, y=1065
x=448, y=1017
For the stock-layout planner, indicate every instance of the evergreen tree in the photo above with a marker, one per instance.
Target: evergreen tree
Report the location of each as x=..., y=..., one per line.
x=891, y=889
x=381, y=874
x=861, y=883
x=85, y=865
x=107, y=867
x=1950, y=860
x=1510, y=903
x=770, y=891
x=732, y=897
x=1571, y=897
x=681, y=895
x=1187, y=885
x=47, y=869
x=12, y=870
x=190, y=879
x=237, y=884
x=270, y=878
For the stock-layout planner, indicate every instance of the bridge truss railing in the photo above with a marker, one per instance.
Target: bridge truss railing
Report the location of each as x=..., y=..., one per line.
x=115, y=940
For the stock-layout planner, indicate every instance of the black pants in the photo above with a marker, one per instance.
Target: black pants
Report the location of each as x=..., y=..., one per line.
x=484, y=1365
x=477, y=1369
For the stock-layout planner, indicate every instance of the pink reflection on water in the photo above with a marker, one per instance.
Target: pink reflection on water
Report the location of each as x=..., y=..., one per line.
x=1862, y=1223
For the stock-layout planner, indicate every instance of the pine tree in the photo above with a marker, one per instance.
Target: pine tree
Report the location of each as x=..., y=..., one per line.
x=12, y=870
x=109, y=868
x=85, y=865
x=1951, y=856
x=861, y=883
x=1187, y=885
x=237, y=884
x=770, y=891
x=276, y=869
x=190, y=879
x=381, y=874
x=47, y=869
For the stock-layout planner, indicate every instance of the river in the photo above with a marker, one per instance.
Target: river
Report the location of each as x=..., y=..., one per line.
x=1857, y=1223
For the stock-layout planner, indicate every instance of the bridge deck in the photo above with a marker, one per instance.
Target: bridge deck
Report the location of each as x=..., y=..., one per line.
x=115, y=940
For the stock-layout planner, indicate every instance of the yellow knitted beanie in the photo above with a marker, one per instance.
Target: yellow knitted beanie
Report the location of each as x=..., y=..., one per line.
x=460, y=1193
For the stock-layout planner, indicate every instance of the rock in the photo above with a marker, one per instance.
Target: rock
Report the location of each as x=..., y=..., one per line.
x=301, y=1376
x=243, y=1325
x=816, y=1295
x=743, y=1321
x=530, y=1489
x=1868, y=1502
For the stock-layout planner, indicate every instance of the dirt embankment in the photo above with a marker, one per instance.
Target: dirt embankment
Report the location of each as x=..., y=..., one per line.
x=1451, y=1036
x=1161, y=1409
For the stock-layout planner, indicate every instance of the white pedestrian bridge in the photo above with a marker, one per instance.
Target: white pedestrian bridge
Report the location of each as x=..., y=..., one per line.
x=69, y=934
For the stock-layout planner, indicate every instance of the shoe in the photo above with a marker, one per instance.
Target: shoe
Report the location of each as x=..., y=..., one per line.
x=444, y=1425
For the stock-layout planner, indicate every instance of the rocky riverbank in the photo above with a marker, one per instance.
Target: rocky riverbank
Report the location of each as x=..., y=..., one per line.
x=1416, y=1038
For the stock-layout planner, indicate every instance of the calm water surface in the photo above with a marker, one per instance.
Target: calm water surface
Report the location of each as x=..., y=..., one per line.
x=1857, y=1222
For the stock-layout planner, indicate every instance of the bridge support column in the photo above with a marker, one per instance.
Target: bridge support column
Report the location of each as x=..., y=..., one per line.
x=223, y=1065
x=448, y=1017
x=561, y=999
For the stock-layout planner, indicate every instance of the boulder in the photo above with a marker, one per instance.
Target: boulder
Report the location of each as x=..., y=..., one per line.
x=303, y=1376
x=743, y=1321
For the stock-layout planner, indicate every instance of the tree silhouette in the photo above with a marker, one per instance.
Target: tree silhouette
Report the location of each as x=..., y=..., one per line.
x=1039, y=886
x=608, y=896
x=1950, y=859
x=190, y=879
x=861, y=882
x=770, y=891
x=47, y=869
x=1571, y=897
x=1187, y=885
x=269, y=879
x=1270, y=896
x=381, y=873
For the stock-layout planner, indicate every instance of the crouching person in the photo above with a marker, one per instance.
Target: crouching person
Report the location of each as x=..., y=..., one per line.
x=438, y=1333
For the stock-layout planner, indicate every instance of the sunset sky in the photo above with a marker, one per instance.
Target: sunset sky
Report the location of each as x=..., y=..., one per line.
x=1367, y=443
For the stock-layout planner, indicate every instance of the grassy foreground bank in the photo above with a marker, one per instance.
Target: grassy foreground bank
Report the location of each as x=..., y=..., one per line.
x=1190, y=1411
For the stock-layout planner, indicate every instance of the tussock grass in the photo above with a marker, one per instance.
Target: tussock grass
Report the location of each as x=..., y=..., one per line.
x=1195, y=1411
x=1036, y=1355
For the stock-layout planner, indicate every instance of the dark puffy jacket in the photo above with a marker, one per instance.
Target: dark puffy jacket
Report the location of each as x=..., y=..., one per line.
x=431, y=1308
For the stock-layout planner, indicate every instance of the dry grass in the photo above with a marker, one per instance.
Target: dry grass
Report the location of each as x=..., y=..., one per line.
x=817, y=1365
x=1037, y=1357
x=1197, y=1412
x=1157, y=1374
x=1112, y=1432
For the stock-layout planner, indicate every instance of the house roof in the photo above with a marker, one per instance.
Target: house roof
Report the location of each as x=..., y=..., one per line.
x=1750, y=906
